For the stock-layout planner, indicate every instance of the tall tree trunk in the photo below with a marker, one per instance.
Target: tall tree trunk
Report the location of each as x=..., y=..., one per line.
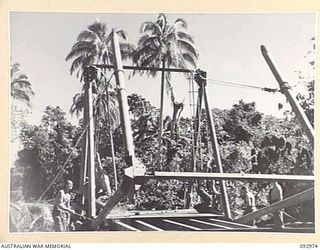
x=177, y=109
x=161, y=115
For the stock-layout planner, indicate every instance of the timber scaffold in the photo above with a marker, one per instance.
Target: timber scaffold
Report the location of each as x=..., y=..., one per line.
x=135, y=173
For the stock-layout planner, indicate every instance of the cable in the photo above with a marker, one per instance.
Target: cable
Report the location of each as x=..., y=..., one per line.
x=244, y=86
x=233, y=84
x=239, y=85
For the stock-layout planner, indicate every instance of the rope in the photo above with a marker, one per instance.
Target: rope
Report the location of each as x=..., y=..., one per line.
x=65, y=163
x=80, y=137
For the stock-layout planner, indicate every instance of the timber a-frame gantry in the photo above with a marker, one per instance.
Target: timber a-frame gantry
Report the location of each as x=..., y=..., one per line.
x=135, y=172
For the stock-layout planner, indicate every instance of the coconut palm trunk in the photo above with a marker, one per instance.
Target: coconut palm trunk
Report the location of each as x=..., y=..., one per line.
x=177, y=109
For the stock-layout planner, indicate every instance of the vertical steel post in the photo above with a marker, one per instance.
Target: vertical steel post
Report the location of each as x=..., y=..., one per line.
x=286, y=90
x=215, y=147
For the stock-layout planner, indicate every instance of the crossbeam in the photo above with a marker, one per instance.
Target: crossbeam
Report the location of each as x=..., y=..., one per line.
x=106, y=66
x=288, y=202
x=227, y=176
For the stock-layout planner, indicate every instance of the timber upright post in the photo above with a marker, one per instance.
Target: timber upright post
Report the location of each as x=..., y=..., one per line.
x=123, y=103
x=195, y=144
x=201, y=80
x=162, y=96
x=84, y=156
x=89, y=75
x=127, y=183
x=286, y=90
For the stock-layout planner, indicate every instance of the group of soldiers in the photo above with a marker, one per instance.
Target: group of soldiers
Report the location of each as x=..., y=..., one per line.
x=275, y=195
x=207, y=190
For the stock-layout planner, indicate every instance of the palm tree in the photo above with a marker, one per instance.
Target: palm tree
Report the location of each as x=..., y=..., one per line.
x=104, y=107
x=20, y=85
x=165, y=45
x=21, y=91
x=93, y=46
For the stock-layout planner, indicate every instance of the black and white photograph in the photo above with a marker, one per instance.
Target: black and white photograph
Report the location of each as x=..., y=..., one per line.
x=162, y=121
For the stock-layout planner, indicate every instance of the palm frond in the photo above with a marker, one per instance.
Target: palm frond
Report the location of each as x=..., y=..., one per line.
x=98, y=28
x=148, y=40
x=190, y=59
x=162, y=21
x=80, y=48
x=185, y=46
x=148, y=27
x=123, y=34
x=86, y=35
x=14, y=68
x=185, y=36
x=21, y=95
x=127, y=50
x=77, y=104
x=181, y=23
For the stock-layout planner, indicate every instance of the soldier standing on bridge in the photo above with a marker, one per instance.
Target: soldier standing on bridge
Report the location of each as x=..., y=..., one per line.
x=275, y=195
x=250, y=202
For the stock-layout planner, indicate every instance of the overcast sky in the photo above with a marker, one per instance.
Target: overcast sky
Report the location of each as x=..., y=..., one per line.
x=229, y=46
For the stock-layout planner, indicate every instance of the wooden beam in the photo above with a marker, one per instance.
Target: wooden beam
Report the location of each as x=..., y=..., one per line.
x=105, y=66
x=216, y=153
x=123, y=190
x=127, y=184
x=90, y=146
x=286, y=90
x=293, y=200
x=227, y=176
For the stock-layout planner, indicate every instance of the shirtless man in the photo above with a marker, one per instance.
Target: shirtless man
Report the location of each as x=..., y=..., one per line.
x=61, y=209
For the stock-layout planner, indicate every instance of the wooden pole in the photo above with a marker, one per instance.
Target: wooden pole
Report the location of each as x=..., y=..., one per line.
x=288, y=202
x=113, y=156
x=162, y=95
x=197, y=127
x=105, y=66
x=91, y=154
x=84, y=168
x=286, y=90
x=123, y=103
x=216, y=154
x=226, y=176
x=127, y=183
